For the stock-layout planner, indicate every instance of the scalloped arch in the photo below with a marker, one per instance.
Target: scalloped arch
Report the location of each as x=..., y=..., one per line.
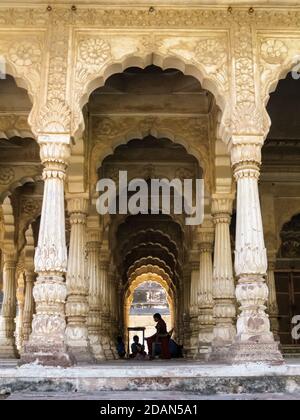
x=166, y=61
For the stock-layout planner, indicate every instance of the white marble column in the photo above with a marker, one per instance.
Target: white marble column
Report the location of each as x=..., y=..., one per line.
x=205, y=292
x=95, y=295
x=8, y=312
x=186, y=306
x=77, y=307
x=112, y=287
x=254, y=341
x=223, y=280
x=192, y=343
x=272, y=301
x=103, y=278
x=30, y=278
x=46, y=344
x=28, y=305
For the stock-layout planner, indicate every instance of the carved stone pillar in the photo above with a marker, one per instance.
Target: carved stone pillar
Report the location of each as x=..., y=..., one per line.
x=112, y=309
x=205, y=292
x=192, y=343
x=272, y=301
x=28, y=305
x=30, y=278
x=186, y=310
x=223, y=281
x=47, y=340
x=103, y=278
x=254, y=340
x=77, y=307
x=8, y=312
x=95, y=295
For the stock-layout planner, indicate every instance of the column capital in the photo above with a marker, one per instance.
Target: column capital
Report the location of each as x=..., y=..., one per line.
x=77, y=205
x=246, y=152
x=10, y=257
x=206, y=239
x=222, y=206
x=30, y=276
x=55, y=151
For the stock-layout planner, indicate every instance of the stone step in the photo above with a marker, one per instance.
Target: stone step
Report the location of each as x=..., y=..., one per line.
x=146, y=396
x=199, y=378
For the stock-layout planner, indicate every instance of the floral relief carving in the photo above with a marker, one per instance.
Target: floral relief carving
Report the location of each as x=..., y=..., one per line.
x=54, y=117
x=133, y=17
x=274, y=51
x=94, y=52
x=25, y=53
x=31, y=207
x=6, y=175
x=211, y=51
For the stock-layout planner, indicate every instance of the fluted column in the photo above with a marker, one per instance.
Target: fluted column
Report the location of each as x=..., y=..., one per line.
x=103, y=278
x=47, y=341
x=272, y=301
x=254, y=340
x=186, y=313
x=8, y=312
x=95, y=295
x=30, y=278
x=223, y=280
x=205, y=292
x=77, y=283
x=192, y=343
x=112, y=310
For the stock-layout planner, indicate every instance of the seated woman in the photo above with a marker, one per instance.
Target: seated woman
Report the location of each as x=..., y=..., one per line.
x=137, y=349
x=161, y=337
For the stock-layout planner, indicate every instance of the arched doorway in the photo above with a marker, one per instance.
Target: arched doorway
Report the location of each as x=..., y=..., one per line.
x=21, y=192
x=280, y=197
x=153, y=123
x=148, y=298
x=287, y=278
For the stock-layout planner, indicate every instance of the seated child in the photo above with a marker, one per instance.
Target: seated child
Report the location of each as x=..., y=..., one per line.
x=137, y=349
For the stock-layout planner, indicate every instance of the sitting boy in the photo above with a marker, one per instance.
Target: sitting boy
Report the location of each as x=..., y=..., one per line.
x=137, y=349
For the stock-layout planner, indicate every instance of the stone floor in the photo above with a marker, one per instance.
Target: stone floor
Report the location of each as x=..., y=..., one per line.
x=172, y=380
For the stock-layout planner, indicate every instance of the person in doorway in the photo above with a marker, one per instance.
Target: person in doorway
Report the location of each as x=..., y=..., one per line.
x=161, y=339
x=121, y=347
x=137, y=349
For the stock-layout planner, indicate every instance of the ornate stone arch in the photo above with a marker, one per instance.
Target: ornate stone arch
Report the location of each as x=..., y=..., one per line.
x=7, y=238
x=290, y=237
x=190, y=133
x=290, y=213
x=15, y=183
x=278, y=55
x=149, y=273
x=206, y=57
x=23, y=59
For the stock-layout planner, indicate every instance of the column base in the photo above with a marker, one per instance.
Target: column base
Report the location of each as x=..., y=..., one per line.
x=8, y=351
x=96, y=348
x=203, y=353
x=109, y=354
x=54, y=356
x=255, y=353
x=81, y=354
x=107, y=349
x=220, y=353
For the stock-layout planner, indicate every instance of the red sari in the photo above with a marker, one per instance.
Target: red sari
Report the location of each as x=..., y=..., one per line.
x=162, y=337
